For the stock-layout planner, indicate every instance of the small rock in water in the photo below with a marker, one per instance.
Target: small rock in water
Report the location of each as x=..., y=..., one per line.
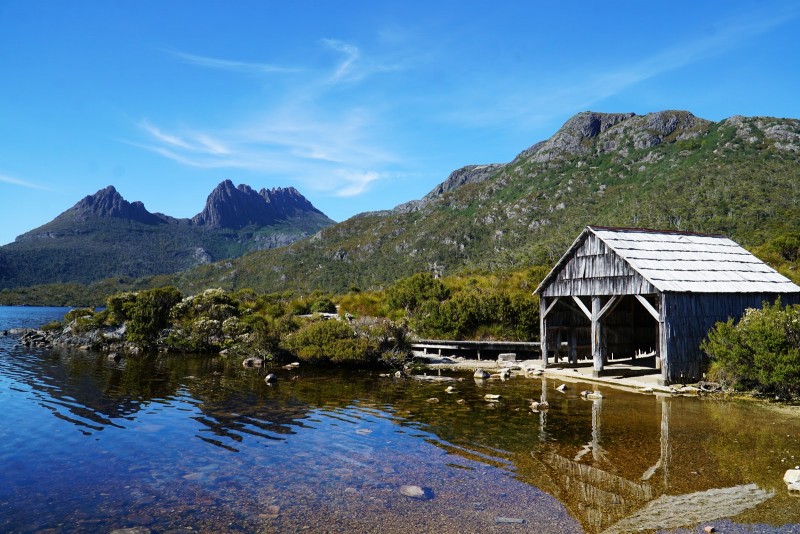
x=562, y=388
x=460, y=401
x=791, y=476
x=270, y=378
x=491, y=397
x=272, y=512
x=509, y=520
x=416, y=492
x=363, y=431
x=481, y=373
x=709, y=529
x=537, y=406
x=398, y=374
x=432, y=400
x=449, y=389
x=114, y=356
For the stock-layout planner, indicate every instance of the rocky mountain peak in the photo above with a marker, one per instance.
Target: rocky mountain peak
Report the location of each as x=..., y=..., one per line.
x=593, y=133
x=287, y=201
x=236, y=207
x=109, y=203
x=470, y=174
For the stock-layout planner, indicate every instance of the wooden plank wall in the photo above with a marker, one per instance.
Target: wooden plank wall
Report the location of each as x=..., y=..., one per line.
x=595, y=270
x=687, y=319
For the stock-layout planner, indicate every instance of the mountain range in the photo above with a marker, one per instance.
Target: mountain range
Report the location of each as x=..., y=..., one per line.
x=104, y=235
x=664, y=170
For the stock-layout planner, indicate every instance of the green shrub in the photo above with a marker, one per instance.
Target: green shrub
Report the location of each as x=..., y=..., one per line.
x=120, y=305
x=760, y=352
x=149, y=314
x=53, y=325
x=323, y=305
x=410, y=293
x=787, y=246
x=326, y=341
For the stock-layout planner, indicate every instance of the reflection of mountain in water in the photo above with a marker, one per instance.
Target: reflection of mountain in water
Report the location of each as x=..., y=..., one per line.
x=92, y=393
x=77, y=388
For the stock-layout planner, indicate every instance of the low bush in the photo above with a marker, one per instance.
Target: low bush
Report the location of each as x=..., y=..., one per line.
x=760, y=352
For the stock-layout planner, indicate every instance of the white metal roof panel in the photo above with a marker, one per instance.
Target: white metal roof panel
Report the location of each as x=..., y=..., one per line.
x=680, y=262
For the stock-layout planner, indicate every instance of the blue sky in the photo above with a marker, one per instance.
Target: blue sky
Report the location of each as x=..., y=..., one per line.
x=359, y=105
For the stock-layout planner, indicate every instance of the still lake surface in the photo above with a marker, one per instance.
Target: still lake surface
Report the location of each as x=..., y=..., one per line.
x=201, y=444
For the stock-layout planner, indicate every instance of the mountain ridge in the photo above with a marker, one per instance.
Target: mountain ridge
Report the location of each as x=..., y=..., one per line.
x=665, y=170
x=103, y=235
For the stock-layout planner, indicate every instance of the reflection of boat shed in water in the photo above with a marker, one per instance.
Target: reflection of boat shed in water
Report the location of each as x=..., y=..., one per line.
x=623, y=292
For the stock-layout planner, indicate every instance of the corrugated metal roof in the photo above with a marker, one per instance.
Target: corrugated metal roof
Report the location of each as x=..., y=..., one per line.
x=682, y=262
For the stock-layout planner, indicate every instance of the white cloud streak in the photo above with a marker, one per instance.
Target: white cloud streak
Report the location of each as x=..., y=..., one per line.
x=583, y=89
x=22, y=183
x=243, y=67
x=347, y=66
x=330, y=148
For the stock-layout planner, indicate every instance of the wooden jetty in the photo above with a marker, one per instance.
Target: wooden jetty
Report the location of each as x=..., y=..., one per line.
x=478, y=349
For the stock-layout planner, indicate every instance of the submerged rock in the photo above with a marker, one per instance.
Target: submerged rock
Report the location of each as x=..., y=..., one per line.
x=537, y=406
x=416, y=492
x=481, y=373
x=508, y=520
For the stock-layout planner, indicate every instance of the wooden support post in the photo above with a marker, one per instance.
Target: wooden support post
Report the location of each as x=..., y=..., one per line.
x=573, y=344
x=543, y=329
x=662, y=352
x=598, y=345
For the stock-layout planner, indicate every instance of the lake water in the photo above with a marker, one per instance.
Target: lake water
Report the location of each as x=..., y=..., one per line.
x=201, y=444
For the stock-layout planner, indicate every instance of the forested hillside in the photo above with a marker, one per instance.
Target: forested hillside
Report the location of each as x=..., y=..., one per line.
x=666, y=170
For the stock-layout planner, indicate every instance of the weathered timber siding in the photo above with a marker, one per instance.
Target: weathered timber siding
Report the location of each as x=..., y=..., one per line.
x=596, y=270
x=688, y=317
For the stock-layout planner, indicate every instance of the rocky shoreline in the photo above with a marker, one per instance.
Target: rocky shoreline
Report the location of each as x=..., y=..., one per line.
x=108, y=340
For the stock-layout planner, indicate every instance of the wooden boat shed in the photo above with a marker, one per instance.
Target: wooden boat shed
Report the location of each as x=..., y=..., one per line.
x=623, y=292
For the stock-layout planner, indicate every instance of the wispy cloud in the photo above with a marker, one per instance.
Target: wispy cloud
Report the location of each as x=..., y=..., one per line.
x=328, y=145
x=22, y=183
x=244, y=67
x=347, y=65
x=355, y=182
x=541, y=99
